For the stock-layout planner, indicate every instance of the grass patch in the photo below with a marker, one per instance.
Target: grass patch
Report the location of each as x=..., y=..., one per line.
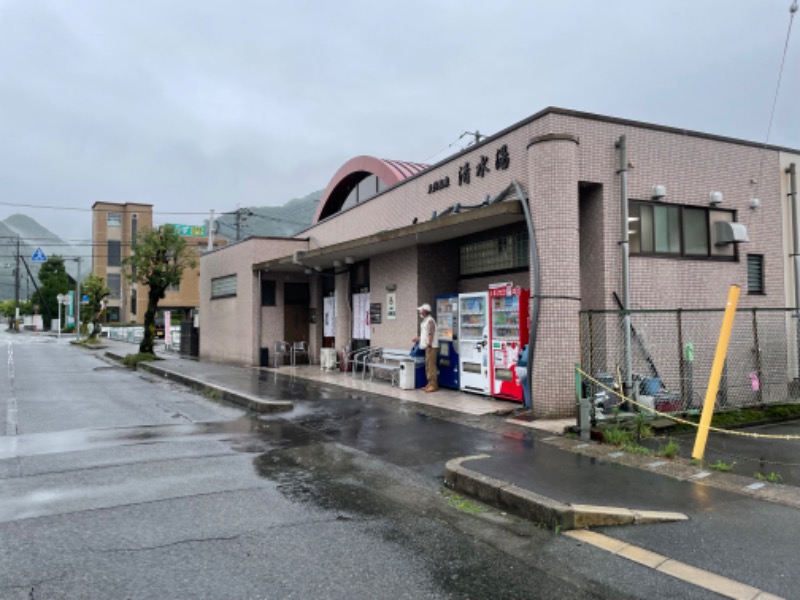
x=737, y=418
x=132, y=360
x=722, y=466
x=669, y=450
x=770, y=477
x=632, y=448
x=211, y=393
x=464, y=505
x=617, y=436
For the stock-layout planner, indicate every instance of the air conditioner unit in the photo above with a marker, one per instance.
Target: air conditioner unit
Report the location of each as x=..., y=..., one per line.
x=730, y=233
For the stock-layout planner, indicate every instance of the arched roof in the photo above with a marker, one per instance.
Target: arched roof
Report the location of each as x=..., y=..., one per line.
x=390, y=172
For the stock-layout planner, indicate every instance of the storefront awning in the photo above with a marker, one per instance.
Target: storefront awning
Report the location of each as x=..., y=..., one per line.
x=429, y=232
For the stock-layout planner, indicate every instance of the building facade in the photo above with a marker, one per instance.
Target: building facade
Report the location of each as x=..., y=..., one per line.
x=115, y=228
x=538, y=205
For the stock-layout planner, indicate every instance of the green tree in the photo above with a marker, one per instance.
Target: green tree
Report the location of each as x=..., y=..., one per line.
x=157, y=262
x=7, y=308
x=94, y=287
x=54, y=281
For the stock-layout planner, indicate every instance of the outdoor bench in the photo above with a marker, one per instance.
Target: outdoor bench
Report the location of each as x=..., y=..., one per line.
x=387, y=360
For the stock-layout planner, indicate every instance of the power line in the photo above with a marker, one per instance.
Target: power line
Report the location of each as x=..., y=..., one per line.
x=792, y=11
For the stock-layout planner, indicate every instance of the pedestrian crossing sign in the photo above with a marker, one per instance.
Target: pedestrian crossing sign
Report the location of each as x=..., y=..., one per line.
x=39, y=256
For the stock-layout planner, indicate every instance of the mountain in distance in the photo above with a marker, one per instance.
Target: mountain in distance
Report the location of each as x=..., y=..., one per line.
x=270, y=221
x=32, y=236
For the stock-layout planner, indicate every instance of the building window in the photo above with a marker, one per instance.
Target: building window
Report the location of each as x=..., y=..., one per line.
x=267, y=292
x=223, y=287
x=504, y=253
x=114, y=219
x=755, y=273
x=659, y=229
x=134, y=228
x=175, y=287
x=114, y=253
x=133, y=302
x=113, y=282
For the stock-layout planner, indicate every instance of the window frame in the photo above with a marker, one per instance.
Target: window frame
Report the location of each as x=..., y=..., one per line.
x=114, y=257
x=269, y=292
x=118, y=278
x=682, y=223
x=220, y=287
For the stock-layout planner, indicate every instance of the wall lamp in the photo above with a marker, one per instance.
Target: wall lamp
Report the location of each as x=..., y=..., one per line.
x=349, y=260
x=390, y=287
x=715, y=198
x=659, y=192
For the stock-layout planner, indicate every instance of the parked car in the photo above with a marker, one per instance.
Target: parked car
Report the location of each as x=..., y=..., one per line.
x=159, y=327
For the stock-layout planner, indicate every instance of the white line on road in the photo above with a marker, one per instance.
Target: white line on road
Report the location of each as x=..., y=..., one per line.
x=12, y=414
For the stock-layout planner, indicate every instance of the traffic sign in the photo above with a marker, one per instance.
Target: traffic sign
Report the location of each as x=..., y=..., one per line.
x=39, y=256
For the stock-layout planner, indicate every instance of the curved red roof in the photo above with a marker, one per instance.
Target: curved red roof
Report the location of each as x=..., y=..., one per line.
x=390, y=172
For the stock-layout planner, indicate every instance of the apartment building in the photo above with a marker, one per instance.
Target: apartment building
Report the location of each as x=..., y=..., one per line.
x=115, y=227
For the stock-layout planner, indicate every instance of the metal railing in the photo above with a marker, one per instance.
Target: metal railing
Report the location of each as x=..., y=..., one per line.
x=672, y=353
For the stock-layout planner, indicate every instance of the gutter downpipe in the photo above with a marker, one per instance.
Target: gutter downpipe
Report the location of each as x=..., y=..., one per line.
x=625, y=246
x=534, y=260
x=791, y=170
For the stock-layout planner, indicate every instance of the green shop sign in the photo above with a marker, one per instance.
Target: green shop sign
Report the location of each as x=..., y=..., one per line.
x=189, y=230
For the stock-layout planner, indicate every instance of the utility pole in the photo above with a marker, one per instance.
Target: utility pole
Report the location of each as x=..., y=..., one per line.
x=16, y=291
x=211, y=231
x=77, y=307
x=241, y=216
x=477, y=136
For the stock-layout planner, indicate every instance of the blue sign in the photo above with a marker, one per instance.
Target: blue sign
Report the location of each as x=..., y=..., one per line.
x=39, y=256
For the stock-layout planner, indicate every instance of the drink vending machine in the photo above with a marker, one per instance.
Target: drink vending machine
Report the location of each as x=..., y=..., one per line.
x=473, y=342
x=508, y=316
x=447, y=329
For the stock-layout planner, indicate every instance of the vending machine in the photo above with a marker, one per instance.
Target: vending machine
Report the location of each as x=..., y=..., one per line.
x=447, y=330
x=508, y=316
x=473, y=342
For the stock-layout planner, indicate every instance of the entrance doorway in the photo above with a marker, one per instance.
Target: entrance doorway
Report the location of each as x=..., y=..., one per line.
x=296, y=298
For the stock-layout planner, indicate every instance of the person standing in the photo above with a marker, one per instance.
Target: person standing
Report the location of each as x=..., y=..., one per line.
x=429, y=341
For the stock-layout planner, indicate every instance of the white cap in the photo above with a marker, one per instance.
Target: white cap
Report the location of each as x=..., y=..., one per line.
x=426, y=307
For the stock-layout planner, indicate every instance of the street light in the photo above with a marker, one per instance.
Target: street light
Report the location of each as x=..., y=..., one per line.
x=62, y=299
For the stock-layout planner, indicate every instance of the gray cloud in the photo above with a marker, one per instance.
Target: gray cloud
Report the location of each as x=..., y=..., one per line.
x=193, y=105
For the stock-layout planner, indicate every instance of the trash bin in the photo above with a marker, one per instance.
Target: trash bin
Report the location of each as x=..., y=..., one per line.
x=522, y=373
x=407, y=373
x=327, y=359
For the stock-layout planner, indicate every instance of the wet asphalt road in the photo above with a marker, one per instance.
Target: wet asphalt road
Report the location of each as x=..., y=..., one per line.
x=116, y=485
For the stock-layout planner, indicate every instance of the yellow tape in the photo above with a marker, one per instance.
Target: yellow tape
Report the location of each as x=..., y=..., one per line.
x=623, y=398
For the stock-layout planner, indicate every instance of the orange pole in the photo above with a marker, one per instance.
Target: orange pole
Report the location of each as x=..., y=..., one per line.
x=716, y=373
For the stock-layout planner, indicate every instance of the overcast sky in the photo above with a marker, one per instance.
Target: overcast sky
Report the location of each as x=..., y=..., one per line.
x=191, y=105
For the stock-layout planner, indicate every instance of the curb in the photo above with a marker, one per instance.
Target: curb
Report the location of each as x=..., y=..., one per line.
x=540, y=509
x=220, y=393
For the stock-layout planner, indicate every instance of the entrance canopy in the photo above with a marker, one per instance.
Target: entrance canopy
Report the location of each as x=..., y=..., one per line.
x=429, y=232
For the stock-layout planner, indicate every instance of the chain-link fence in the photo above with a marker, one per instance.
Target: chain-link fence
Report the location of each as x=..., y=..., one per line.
x=672, y=352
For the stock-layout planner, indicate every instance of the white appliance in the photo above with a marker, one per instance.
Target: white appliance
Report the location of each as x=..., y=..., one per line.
x=473, y=342
x=327, y=359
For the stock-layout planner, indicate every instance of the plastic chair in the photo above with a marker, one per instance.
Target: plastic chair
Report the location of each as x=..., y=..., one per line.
x=299, y=349
x=282, y=350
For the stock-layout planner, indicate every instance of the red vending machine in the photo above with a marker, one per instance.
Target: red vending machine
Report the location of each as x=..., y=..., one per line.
x=508, y=315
